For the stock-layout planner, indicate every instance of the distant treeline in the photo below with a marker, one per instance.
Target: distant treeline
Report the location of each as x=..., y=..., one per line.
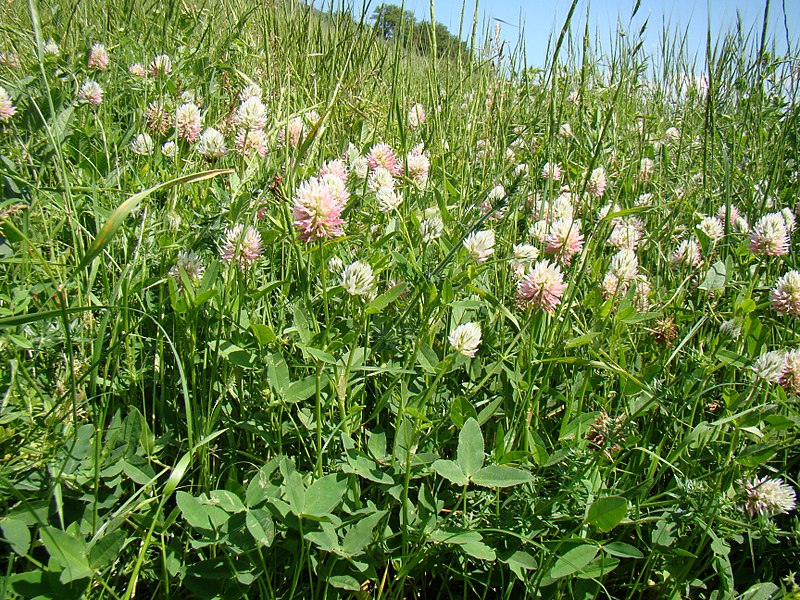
x=392, y=22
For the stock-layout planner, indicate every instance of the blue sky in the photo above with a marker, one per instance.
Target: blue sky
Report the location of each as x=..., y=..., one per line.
x=538, y=19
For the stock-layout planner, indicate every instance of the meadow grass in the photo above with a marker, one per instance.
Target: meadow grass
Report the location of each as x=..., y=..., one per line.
x=399, y=326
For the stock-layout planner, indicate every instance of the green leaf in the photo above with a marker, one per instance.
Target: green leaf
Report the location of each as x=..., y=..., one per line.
x=296, y=493
x=450, y=471
x=361, y=534
x=581, y=340
x=715, y=278
x=323, y=495
x=461, y=410
x=757, y=454
x=385, y=299
x=622, y=550
x=320, y=355
x=123, y=210
x=663, y=533
x=17, y=534
x=498, y=476
x=607, y=512
x=573, y=561
x=598, y=567
x=70, y=553
x=470, y=448
x=479, y=550
x=106, y=550
x=233, y=353
x=227, y=501
x=260, y=525
x=263, y=334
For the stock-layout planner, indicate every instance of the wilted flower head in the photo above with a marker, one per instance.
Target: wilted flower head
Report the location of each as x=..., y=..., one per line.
x=466, y=339
x=191, y=264
x=252, y=114
x=158, y=120
x=9, y=59
x=785, y=295
x=542, y=287
x=790, y=378
x=91, y=93
x=646, y=168
x=769, y=497
x=431, y=229
x=551, y=171
x=211, y=144
x=241, y=247
x=317, y=211
x=188, y=122
x=687, y=253
x=161, y=65
x=731, y=328
x=480, y=245
x=7, y=109
x=382, y=155
x=98, y=58
x=416, y=116
x=565, y=130
x=770, y=366
x=142, y=145
x=596, y=185
x=769, y=236
x=357, y=279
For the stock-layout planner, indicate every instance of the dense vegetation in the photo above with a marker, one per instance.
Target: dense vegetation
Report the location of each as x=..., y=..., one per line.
x=297, y=304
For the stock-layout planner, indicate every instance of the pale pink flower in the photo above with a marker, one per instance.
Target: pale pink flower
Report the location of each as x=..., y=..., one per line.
x=291, y=134
x=551, y=171
x=416, y=116
x=335, y=167
x=91, y=93
x=480, y=245
x=382, y=155
x=241, y=247
x=627, y=233
x=785, y=295
x=596, y=185
x=769, y=236
x=188, y=122
x=646, y=168
x=417, y=168
x=137, y=70
x=790, y=378
x=7, y=109
x=161, y=65
x=687, y=253
x=564, y=240
x=733, y=215
x=98, y=58
x=251, y=114
x=712, y=227
x=317, y=212
x=542, y=287
x=251, y=140
x=769, y=497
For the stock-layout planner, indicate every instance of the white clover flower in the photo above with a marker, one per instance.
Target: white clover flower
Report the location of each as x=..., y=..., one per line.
x=712, y=227
x=381, y=177
x=335, y=265
x=480, y=245
x=142, y=145
x=625, y=265
x=91, y=93
x=431, y=229
x=51, y=48
x=359, y=166
x=388, y=199
x=252, y=114
x=211, y=144
x=466, y=339
x=416, y=116
x=357, y=279
x=770, y=366
x=161, y=65
x=251, y=90
x=526, y=252
x=169, y=149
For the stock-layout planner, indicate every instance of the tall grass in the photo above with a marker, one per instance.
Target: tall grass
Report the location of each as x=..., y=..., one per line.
x=261, y=432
